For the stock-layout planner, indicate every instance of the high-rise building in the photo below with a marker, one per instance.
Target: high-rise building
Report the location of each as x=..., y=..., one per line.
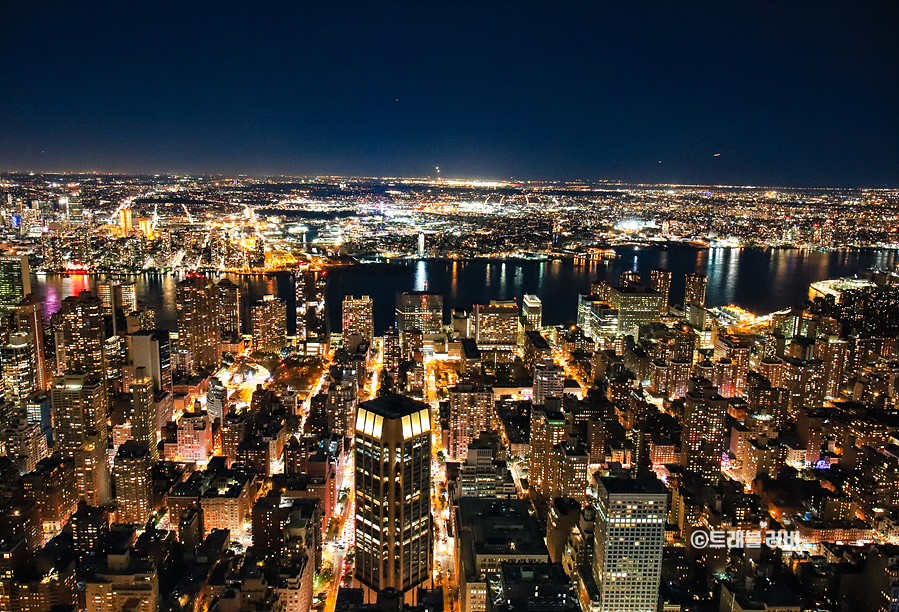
x=74, y=208
x=549, y=381
x=695, y=290
x=52, y=486
x=216, y=399
x=704, y=433
x=471, y=408
x=269, y=317
x=496, y=331
x=312, y=319
x=80, y=406
x=143, y=412
x=133, y=483
x=393, y=481
x=126, y=221
x=629, y=541
x=92, y=469
x=358, y=317
x=660, y=281
x=81, y=336
x=736, y=350
x=15, y=280
x=532, y=310
x=117, y=296
x=230, y=307
x=636, y=304
x=341, y=406
x=199, y=324
x=30, y=320
x=548, y=428
x=151, y=350
x=420, y=310
x=17, y=366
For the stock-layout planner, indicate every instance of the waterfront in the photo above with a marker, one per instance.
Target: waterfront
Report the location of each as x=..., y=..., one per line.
x=759, y=280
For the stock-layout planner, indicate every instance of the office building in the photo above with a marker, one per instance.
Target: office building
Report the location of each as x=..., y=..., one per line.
x=629, y=540
x=496, y=330
x=17, y=368
x=532, y=311
x=216, y=399
x=471, y=410
x=229, y=294
x=53, y=487
x=92, y=470
x=695, y=290
x=117, y=296
x=199, y=323
x=151, y=350
x=703, y=436
x=358, y=318
x=81, y=336
x=660, y=282
x=143, y=412
x=636, y=305
x=490, y=533
x=15, y=280
x=269, y=316
x=419, y=310
x=736, y=350
x=30, y=320
x=133, y=478
x=483, y=474
x=549, y=381
x=80, y=406
x=312, y=319
x=393, y=481
x=548, y=428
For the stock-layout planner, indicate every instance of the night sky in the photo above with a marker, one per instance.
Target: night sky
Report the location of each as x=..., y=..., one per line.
x=789, y=93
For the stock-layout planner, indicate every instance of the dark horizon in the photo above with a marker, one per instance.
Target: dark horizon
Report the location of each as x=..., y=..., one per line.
x=699, y=93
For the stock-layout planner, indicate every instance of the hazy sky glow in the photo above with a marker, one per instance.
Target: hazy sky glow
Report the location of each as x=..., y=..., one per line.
x=789, y=93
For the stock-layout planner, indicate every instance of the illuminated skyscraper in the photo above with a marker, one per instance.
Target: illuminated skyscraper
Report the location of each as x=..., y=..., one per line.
x=216, y=399
x=548, y=428
x=17, y=364
x=358, y=317
x=660, y=281
x=393, y=482
x=736, y=350
x=133, y=483
x=230, y=296
x=471, y=409
x=126, y=221
x=695, y=289
x=30, y=320
x=80, y=406
x=420, y=310
x=636, y=304
x=81, y=335
x=116, y=295
x=143, y=412
x=269, y=317
x=496, y=330
x=629, y=541
x=703, y=435
x=199, y=323
x=312, y=319
x=532, y=310
x=150, y=349
x=15, y=280
x=92, y=469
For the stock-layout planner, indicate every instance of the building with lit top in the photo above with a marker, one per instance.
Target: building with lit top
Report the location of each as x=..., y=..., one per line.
x=394, y=538
x=532, y=310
